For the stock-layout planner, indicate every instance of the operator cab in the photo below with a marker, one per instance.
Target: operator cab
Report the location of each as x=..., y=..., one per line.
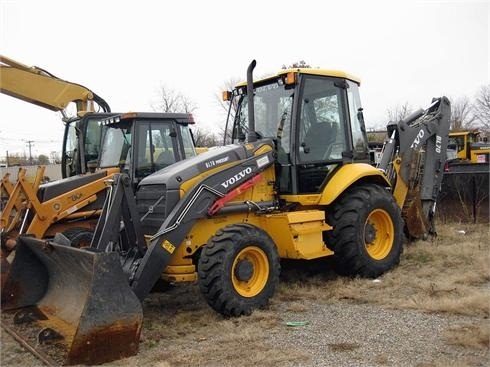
x=143, y=143
x=81, y=144
x=315, y=118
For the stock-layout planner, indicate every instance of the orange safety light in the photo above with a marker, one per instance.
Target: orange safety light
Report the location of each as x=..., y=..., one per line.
x=290, y=78
x=226, y=95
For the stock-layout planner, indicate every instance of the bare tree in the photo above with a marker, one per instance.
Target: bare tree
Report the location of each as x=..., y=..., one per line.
x=481, y=107
x=399, y=112
x=172, y=101
x=461, y=114
x=228, y=85
x=18, y=159
x=204, y=138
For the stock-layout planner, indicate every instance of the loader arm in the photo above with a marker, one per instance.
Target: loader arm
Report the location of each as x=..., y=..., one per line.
x=203, y=200
x=39, y=87
x=413, y=159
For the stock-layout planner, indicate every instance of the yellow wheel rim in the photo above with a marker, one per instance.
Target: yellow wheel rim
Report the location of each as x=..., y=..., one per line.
x=250, y=271
x=379, y=234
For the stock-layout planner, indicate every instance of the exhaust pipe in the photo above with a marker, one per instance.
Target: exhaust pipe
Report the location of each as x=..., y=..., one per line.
x=252, y=135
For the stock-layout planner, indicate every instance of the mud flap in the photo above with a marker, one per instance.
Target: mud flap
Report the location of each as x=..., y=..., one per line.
x=80, y=298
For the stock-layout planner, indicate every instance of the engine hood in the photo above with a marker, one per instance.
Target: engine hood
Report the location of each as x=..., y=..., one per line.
x=173, y=175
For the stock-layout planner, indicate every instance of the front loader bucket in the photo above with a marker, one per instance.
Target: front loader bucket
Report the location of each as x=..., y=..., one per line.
x=79, y=298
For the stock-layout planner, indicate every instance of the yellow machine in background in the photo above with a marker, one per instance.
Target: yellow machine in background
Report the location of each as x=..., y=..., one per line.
x=469, y=147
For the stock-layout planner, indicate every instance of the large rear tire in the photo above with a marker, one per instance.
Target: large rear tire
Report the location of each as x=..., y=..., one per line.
x=238, y=270
x=367, y=232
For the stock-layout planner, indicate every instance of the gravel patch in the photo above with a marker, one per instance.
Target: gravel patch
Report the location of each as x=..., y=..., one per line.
x=344, y=334
x=340, y=334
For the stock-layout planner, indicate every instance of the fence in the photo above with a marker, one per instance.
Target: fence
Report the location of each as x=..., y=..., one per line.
x=52, y=172
x=464, y=197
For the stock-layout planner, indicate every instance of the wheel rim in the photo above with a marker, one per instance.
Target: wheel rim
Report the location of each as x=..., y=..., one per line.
x=379, y=234
x=255, y=261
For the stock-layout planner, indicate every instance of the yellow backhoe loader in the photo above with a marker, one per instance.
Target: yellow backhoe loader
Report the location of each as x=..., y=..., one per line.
x=296, y=182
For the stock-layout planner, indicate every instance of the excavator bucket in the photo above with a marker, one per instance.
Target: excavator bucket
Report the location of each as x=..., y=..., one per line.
x=78, y=301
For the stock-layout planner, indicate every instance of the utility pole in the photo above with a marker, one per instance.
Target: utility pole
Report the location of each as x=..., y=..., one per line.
x=30, y=144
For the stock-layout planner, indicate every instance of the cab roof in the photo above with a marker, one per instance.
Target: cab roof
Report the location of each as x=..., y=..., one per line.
x=309, y=71
x=180, y=118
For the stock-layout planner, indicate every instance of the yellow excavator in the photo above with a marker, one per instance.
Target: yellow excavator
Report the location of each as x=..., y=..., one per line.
x=295, y=182
x=35, y=85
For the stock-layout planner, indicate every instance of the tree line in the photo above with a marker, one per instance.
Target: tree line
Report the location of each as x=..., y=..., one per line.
x=22, y=159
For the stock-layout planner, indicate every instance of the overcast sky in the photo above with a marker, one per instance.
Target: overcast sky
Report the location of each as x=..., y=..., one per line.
x=403, y=51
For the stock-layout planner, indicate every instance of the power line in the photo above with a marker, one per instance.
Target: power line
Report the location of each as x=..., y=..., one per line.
x=29, y=143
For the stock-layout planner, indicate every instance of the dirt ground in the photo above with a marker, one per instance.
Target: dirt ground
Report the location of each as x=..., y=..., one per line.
x=338, y=333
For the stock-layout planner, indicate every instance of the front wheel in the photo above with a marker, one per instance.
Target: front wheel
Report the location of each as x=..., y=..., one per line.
x=238, y=269
x=367, y=232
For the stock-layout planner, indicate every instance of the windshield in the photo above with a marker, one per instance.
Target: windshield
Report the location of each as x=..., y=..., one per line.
x=189, y=149
x=157, y=145
x=115, y=146
x=88, y=131
x=272, y=106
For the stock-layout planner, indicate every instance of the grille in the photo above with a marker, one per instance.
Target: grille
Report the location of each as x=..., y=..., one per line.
x=151, y=205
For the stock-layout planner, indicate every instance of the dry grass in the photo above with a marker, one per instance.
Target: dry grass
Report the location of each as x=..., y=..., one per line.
x=192, y=334
x=450, y=274
x=469, y=336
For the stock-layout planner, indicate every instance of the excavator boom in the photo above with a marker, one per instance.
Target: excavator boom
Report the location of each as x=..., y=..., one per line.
x=39, y=87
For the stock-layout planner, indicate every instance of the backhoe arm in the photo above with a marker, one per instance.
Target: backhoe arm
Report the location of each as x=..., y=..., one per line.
x=413, y=159
x=39, y=87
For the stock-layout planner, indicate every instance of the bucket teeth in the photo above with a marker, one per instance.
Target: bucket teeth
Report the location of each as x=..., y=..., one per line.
x=48, y=335
x=28, y=315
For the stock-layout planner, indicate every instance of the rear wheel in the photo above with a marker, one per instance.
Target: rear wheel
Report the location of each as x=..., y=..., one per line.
x=367, y=232
x=79, y=237
x=238, y=270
